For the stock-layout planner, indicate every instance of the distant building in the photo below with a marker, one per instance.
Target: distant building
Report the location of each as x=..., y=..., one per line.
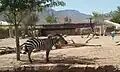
x=4, y=23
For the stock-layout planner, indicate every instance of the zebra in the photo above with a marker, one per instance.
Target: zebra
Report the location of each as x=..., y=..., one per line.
x=41, y=44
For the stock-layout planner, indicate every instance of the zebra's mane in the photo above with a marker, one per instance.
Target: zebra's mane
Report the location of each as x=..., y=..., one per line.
x=58, y=35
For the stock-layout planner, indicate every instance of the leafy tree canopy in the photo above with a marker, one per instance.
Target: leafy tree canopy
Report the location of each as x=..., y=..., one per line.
x=116, y=15
x=19, y=7
x=51, y=19
x=16, y=9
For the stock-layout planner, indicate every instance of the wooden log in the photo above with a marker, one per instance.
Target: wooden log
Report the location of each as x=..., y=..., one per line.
x=117, y=44
x=79, y=45
x=6, y=48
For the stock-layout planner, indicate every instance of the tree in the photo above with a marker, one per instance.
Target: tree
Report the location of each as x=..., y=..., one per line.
x=51, y=19
x=6, y=16
x=97, y=17
x=116, y=15
x=30, y=20
x=16, y=9
x=67, y=19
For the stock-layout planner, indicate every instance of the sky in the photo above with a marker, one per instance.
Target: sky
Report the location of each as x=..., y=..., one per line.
x=88, y=6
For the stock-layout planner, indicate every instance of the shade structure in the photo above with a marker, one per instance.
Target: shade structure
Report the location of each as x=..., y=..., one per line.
x=117, y=25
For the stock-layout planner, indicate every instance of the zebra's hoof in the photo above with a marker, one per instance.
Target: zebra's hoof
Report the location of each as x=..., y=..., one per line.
x=47, y=61
x=31, y=61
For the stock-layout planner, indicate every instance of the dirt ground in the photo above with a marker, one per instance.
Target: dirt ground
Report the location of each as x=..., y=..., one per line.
x=107, y=54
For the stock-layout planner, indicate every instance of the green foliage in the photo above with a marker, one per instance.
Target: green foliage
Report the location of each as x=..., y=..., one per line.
x=17, y=7
x=14, y=12
x=96, y=14
x=4, y=33
x=116, y=16
x=51, y=19
x=98, y=17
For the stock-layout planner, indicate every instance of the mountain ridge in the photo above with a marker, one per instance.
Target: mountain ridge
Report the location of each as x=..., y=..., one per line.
x=75, y=15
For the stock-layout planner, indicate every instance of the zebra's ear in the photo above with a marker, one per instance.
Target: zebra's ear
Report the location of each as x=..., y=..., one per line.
x=49, y=36
x=64, y=35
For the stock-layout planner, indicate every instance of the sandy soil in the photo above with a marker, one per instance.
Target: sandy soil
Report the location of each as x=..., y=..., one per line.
x=107, y=54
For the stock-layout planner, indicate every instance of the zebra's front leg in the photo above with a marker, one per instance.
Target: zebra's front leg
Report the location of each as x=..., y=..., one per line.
x=47, y=55
x=29, y=56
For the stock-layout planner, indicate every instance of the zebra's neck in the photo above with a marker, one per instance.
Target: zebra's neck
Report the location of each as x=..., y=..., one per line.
x=54, y=41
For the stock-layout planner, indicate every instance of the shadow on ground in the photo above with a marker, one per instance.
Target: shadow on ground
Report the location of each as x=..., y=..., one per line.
x=65, y=60
x=64, y=68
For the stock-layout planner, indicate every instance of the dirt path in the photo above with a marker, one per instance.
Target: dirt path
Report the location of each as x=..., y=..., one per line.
x=108, y=54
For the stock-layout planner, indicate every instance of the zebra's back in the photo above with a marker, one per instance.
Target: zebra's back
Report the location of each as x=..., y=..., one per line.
x=39, y=44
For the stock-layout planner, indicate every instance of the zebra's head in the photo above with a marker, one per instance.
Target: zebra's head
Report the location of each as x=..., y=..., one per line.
x=61, y=39
x=58, y=38
x=50, y=36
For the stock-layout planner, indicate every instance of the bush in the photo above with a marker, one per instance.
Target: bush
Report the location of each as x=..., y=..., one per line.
x=4, y=33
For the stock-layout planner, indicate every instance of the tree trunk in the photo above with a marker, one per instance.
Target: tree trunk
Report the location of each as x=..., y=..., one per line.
x=17, y=42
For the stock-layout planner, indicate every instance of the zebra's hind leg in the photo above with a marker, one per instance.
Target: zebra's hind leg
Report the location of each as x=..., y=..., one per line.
x=29, y=56
x=47, y=55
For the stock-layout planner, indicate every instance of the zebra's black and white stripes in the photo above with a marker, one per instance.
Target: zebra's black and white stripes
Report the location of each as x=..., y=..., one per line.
x=41, y=44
